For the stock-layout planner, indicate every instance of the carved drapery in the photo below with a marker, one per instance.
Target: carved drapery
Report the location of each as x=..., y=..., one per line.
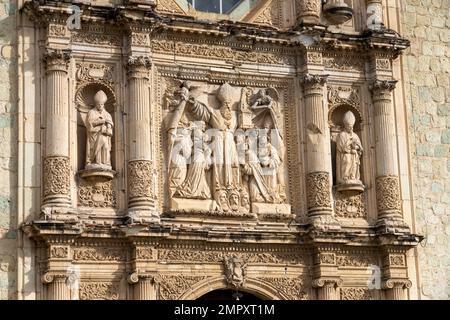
x=56, y=175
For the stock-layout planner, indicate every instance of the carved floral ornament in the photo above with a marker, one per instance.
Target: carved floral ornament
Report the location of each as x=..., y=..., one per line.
x=56, y=176
x=318, y=190
x=140, y=174
x=388, y=194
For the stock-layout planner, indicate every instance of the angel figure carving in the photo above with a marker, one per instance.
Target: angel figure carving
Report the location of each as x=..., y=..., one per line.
x=99, y=127
x=235, y=271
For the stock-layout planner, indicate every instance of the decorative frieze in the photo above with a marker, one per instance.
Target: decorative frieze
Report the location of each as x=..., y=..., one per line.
x=358, y=261
x=59, y=252
x=99, y=291
x=211, y=256
x=222, y=53
x=318, y=190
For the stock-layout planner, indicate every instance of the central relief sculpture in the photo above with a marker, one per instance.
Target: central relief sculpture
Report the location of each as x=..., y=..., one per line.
x=226, y=151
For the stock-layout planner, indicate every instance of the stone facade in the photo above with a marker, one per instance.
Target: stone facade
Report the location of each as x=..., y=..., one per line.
x=427, y=85
x=108, y=98
x=8, y=150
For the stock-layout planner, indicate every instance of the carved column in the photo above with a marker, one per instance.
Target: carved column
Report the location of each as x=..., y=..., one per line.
x=57, y=288
x=327, y=288
x=396, y=289
x=318, y=150
x=143, y=285
x=308, y=11
x=374, y=14
x=56, y=175
x=141, y=204
x=387, y=180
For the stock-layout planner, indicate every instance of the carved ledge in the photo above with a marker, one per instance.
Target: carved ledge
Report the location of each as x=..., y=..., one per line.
x=382, y=85
x=356, y=187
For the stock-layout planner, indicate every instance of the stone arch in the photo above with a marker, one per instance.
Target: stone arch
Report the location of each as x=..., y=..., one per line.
x=258, y=288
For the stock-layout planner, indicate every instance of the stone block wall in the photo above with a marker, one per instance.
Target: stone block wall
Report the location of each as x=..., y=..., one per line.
x=8, y=149
x=427, y=84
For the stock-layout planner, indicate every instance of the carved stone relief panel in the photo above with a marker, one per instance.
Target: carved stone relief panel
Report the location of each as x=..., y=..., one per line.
x=173, y=287
x=358, y=294
x=289, y=288
x=226, y=149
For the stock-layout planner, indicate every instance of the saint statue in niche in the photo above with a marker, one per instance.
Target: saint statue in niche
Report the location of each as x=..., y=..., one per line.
x=99, y=127
x=348, y=153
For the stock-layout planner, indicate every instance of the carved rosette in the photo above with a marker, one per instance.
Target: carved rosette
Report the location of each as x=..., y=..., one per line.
x=308, y=11
x=59, y=252
x=140, y=180
x=318, y=191
x=388, y=195
x=139, y=67
x=57, y=60
x=56, y=177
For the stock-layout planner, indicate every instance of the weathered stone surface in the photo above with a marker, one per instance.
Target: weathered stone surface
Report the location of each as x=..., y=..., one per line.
x=429, y=138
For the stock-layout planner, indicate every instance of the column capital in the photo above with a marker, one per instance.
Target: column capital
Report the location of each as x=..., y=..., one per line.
x=396, y=283
x=139, y=66
x=332, y=282
x=135, y=277
x=57, y=59
x=382, y=85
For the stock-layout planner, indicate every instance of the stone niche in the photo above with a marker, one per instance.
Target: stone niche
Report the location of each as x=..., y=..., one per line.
x=96, y=151
x=225, y=152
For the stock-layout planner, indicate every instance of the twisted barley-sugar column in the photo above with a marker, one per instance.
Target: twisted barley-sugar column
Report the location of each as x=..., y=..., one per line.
x=56, y=173
x=318, y=147
x=140, y=194
x=387, y=180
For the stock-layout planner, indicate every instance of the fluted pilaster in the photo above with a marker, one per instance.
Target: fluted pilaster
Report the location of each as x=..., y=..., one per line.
x=318, y=148
x=140, y=184
x=144, y=288
x=56, y=157
x=57, y=288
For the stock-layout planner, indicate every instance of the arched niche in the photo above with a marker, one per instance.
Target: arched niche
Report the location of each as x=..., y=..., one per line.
x=84, y=100
x=335, y=120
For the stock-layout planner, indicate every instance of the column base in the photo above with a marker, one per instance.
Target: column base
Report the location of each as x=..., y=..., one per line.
x=392, y=225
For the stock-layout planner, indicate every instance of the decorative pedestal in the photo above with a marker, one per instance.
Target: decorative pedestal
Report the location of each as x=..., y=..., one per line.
x=337, y=11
